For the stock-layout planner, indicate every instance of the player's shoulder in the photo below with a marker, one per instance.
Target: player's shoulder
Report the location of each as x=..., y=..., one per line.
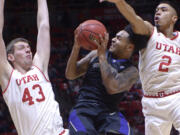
x=5, y=74
x=178, y=33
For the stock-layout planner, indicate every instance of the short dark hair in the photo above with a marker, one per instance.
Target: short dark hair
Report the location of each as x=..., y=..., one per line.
x=173, y=3
x=128, y=29
x=10, y=46
x=139, y=41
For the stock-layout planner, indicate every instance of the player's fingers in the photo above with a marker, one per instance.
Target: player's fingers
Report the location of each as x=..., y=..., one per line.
x=75, y=39
x=96, y=42
x=101, y=38
x=77, y=29
x=106, y=36
x=76, y=32
x=75, y=36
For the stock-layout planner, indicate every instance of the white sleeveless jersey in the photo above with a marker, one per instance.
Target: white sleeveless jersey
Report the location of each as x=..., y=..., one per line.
x=31, y=103
x=159, y=64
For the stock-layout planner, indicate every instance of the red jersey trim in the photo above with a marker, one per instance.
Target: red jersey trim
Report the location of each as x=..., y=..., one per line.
x=3, y=91
x=175, y=36
x=42, y=73
x=161, y=94
x=62, y=132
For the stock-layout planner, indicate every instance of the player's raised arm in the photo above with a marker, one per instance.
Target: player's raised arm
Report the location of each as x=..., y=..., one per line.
x=75, y=68
x=118, y=82
x=5, y=67
x=3, y=56
x=139, y=25
x=42, y=55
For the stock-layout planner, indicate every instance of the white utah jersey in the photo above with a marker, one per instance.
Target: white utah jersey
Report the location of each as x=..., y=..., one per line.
x=159, y=63
x=31, y=103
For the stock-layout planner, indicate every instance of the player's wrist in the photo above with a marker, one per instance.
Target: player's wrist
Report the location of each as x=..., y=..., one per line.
x=102, y=56
x=77, y=46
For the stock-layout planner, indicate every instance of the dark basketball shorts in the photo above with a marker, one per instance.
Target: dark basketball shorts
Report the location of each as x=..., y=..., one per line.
x=95, y=119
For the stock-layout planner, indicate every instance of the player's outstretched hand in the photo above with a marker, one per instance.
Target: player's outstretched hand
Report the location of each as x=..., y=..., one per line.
x=112, y=1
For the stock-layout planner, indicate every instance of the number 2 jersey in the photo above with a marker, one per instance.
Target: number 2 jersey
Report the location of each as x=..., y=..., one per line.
x=159, y=64
x=31, y=103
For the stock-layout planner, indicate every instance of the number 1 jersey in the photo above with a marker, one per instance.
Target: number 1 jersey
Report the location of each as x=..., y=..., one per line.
x=31, y=103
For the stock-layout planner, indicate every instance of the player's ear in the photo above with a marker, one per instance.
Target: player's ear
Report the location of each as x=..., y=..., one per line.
x=130, y=47
x=175, y=18
x=10, y=57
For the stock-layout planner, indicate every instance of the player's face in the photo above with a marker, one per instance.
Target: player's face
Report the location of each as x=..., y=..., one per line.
x=119, y=43
x=22, y=54
x=164, y=16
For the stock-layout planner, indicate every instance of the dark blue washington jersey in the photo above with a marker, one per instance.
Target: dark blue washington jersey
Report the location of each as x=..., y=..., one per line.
x=93, y=89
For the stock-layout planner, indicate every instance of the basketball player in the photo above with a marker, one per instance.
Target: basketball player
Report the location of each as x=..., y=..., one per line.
x=159, y=65
x=107, y=74
x=27, y=90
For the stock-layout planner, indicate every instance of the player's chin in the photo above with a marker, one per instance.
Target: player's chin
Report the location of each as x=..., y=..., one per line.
x=157, y=25
x=111, y=48
x=29, y=62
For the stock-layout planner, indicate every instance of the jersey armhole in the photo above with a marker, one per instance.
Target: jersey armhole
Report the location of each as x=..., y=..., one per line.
x=3, y=91
x=152, y=34
x=42, y=73
x=175, y=36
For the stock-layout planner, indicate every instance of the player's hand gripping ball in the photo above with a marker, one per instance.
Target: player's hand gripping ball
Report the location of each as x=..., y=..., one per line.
x=89, y=31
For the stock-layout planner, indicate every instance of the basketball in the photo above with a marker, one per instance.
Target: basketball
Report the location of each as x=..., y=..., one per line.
x=89, y=31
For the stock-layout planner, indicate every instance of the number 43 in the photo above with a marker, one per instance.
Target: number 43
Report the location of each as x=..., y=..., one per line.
x=28, y=98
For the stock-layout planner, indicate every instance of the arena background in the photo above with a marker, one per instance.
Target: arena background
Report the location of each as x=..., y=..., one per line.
x=65, y=16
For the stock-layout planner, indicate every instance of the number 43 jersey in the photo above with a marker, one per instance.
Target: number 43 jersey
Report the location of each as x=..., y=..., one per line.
x=31, y=103
x=159, y=63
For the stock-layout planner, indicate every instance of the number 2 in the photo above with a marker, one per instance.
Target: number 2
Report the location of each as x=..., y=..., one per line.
x=162, y=65
x=27, y=96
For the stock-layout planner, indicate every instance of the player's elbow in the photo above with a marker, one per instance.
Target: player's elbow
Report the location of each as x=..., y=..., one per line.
x=69, y=76
x=113, y=88
x=112, y=91
x=45, y=26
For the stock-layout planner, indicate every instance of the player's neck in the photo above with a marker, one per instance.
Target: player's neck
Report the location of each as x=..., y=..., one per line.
x=168, y=32
x=21, y=69
x=121, y=56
